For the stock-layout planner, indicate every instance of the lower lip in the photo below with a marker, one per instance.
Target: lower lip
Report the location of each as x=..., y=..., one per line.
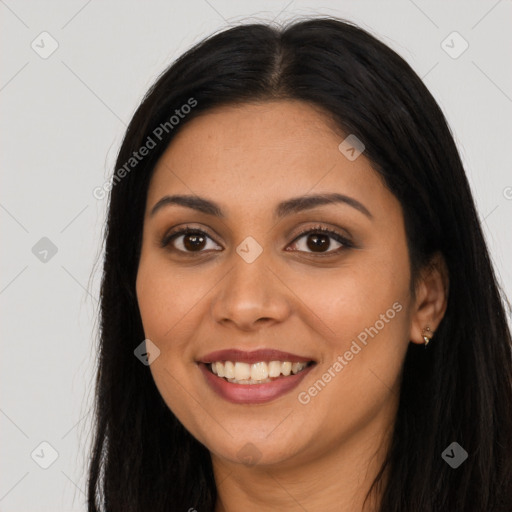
x=253, y=393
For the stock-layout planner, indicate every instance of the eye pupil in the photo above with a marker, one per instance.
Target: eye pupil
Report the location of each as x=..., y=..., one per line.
x=193, y=241
x=320, y=241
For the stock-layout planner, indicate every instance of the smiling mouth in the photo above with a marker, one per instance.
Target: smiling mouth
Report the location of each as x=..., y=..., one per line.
x=257, y=373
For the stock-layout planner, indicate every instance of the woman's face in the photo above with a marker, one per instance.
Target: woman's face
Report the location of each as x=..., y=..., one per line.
x=252, y=281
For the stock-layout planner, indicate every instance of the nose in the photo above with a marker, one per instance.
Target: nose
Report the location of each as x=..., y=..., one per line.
x=250, y=296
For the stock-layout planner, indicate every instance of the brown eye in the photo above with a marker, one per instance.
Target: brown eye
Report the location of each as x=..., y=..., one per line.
x=319, y=240
x=193, y=242
x=187, y=241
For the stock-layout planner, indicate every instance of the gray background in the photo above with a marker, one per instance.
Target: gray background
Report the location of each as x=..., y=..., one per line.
x=62, y=120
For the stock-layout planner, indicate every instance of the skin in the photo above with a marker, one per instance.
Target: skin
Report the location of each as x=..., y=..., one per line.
x=322, y=455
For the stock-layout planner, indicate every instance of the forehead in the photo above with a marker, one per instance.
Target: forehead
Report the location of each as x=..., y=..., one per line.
x=250, y=154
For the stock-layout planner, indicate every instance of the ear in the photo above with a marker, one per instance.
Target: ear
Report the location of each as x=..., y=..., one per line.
x=431, y=298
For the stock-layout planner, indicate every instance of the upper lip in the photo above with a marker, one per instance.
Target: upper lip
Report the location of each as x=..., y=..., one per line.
x=236, y=355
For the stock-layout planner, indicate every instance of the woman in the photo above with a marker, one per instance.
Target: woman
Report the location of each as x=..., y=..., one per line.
x=298, y=306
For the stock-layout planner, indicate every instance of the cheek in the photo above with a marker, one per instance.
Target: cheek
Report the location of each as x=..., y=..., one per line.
x=170, y=304
x=165, y=296
x=163, y=304
x=152, y=301
x=364, y=314
x=349, y=299
x=364, y=354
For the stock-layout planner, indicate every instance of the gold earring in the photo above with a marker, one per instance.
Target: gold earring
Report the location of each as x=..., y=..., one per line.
x=425, y=337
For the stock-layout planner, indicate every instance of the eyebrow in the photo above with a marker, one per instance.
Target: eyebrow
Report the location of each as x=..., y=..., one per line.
x=283, y=209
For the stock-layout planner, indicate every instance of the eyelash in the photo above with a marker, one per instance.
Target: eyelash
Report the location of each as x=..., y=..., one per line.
x=346, y=244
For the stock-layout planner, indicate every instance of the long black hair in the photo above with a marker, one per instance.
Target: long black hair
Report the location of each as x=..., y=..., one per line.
x=458, y=389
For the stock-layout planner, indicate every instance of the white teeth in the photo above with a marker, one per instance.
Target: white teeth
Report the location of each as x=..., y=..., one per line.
x=274, y=368
x=296, y=367
x=229, y=370
x=286, y=368
x=257, y=373
x=242, y=370
x=220, y=369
